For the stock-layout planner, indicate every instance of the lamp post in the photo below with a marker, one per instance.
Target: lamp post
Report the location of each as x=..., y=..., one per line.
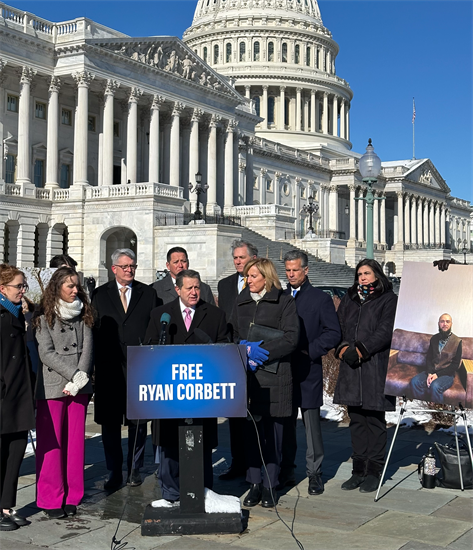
x=465, y=252
x=198, y=188
x=370, y=167
x=310, y=209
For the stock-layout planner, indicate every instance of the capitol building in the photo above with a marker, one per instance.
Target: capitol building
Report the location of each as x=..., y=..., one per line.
x=102, y=134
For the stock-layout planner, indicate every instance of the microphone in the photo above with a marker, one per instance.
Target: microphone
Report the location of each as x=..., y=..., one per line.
x=165, y=318
x=202, y=336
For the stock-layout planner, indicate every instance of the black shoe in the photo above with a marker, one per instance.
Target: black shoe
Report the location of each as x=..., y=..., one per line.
x=352, y=483
x=15, y=516
x=70, y=510
x=55, y=513
x=370, y=484
x=269, y=498
x=134, y=479
x=254, y=495
x=233, y=473
x=114, y=481
x=316, y=485
x=7, y=523
x=286, y=478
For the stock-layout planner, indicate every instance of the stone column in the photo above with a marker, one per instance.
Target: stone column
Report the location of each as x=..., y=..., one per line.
x=431, y=223
x=306, y=113
x=400, y=223
x=325, y=114
x=335, y=116
x=437, y=224
x=212, y=165
x=352, y=212
x=375, y=218
x=347, y=128
x=414, y=220
x=194, y=144
x=248, y=92
x=425, y=224
x=298, y=109
x=333, y=215
x=229, y=166
x=312, y=111
x=447, y=227
x=24, y=119
x=383, y=221
x=297, y=205
x=282, y=107
x=153, y=167
x=175, y=156
x=420, y=241
x=342, y=120
x=262, y=182
x=361, y=208
x=443, y=242
x=407, y=223
x=109, y=95
x=264, y=108
x=131, y=135
x=322, y=206
x=52, y=141
x=83, y=80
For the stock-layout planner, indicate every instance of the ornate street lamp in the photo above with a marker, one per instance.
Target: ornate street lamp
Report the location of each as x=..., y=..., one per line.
x=310, y=209
x=370, y=167
x=198, y=188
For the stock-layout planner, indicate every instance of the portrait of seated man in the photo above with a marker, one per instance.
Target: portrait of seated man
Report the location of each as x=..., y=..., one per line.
x=442, y=362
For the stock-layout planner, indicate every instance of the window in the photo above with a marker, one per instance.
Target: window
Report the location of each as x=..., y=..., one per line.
x=285, y=189
x=256, y=51
x=228, y=53
x=269, y=185
x=242, y=51
x=12, y=103
x=66, y=117
x=255, y=182
x=116, y=129
x=91, y=124
x=302, y=192
x=40, y=110
x=65, y=176
x=284, y=53
x=216, y=54
x=39, y=173
x=307, y=56
x=297, y=54
x=10, y=169
x=205, y=53
x=256, y=100
x=286, y=111
x=271, y=110
x=271, y=51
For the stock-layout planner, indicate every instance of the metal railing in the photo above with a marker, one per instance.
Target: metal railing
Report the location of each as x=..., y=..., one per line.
x=185, y=218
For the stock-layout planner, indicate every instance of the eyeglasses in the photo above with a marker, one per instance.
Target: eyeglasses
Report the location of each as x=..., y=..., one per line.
x=24, y=287
x=127, y=267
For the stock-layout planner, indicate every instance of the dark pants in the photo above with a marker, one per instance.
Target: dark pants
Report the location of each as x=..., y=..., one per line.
x=237, y=442
x=112, y=445
x=12, y=449
x=168, y=475
x=270, y=432
x=368, y=436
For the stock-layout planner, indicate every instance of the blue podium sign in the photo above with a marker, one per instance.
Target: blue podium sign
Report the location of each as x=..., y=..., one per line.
x=188, y=381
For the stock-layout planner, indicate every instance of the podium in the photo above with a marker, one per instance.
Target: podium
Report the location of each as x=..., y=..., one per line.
x=187, y=382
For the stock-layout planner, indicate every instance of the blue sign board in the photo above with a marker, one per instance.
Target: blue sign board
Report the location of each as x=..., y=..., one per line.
x=191, y=381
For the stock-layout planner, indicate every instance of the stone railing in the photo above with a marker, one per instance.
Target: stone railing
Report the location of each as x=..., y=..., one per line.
x=42, y=193
x=392, y=170
x=289, y=152
x=134, y=190
x=262, y=210
x=343, y=164
x=12, y=189
x=60, y=194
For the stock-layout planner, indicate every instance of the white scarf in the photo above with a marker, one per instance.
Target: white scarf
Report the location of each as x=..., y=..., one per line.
x=257, y=297
x=69, y=310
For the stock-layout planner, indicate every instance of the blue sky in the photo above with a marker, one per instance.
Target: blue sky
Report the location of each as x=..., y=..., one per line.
x=390, y=52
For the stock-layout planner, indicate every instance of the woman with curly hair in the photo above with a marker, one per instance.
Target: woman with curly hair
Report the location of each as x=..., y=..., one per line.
x=64, y=335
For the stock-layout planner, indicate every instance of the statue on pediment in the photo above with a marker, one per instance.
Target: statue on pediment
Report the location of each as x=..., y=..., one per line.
x=426, y=177
x=187, y=68
x=172, y=65
x=203, y=80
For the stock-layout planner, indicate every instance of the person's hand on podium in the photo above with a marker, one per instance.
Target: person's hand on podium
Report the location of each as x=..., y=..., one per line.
x=256, y=355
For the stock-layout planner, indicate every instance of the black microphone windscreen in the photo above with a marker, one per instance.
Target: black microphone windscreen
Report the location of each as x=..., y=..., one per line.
x=165, y=318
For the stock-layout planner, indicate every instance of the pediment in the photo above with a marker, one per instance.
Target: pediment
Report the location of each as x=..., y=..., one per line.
x=40, y=145
x=426, y=174
x=169, y=55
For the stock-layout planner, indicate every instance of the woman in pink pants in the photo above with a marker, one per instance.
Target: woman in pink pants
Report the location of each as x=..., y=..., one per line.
x=64, y=335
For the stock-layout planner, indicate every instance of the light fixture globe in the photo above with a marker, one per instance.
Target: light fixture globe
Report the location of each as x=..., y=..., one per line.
x=370, y=163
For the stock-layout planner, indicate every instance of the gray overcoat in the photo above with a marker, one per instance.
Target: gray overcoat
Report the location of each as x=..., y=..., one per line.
x=63, y=349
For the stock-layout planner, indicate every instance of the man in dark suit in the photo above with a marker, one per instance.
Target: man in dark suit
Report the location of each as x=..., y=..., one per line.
x=123, y=307
x=176, y=261
x=188, y=313
x=228, y=290
x=320, y=332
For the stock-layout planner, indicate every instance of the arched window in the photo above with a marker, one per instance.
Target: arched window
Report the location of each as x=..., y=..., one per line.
x=297, y=54
x=307, y=56
x=228, y=53
x=271, y=51
x=256, y=99
x=256, y=51
x=284, y=53
x=205, y=54
x=216, y=54
x=286, y=111
x=270, y=110
x=242, y=51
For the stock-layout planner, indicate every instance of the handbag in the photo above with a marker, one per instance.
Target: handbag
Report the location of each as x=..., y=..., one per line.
x=267, y=334
x=450, y=474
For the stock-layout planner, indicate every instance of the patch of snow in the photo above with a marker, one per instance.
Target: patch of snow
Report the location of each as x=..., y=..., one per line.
x=215, y=503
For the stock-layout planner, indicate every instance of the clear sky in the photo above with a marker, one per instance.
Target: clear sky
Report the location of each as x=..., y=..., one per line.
x=390, y=52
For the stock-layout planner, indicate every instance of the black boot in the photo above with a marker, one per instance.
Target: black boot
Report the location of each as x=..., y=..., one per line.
x=269, y=498
x=358, y=475
x=254, y=495
x=373, y=474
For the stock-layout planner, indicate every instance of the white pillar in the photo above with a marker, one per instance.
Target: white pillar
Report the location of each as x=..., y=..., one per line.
x=325, y=114
x=347, y=129
x=442, y=226
x=83, y=80
x=419, y=223
x=383, y=221
x=437, y=224
x=333, y=219
x=194, y=144
x=431, y=222
x=414, y=220
x=375, y=218
x=425, y=230
x=52, y=142
x=298, y=109
x=153, y=168
x=212, y=165
x=407, y=232
x=342, y=120
x=306, y=113
x=264, y=108
x=175, y=157
x=24, y=156
x=107, y=155
x=132, y=135
x=322, y=206
x=282, y=107
x=335, y=116
x=400, y=223
x=229, y=168
x=352, y=213
x=361, y=209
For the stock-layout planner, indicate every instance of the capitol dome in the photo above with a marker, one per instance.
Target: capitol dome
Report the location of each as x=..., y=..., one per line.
x=279, y=55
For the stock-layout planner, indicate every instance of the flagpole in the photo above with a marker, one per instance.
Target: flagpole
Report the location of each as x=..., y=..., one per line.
x=413, y=129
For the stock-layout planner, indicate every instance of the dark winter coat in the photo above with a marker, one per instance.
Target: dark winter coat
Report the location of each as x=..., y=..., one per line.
x=320, y=332
x=166, y=291
x=16, y=384
x=269, y=394
x=369, y=326
x=207, y=318
x=114, y=330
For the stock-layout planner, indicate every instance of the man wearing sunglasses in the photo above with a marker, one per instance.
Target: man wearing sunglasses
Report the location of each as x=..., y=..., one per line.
x=122, y=308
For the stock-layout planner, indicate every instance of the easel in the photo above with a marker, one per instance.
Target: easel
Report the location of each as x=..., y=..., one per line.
x=456, y=413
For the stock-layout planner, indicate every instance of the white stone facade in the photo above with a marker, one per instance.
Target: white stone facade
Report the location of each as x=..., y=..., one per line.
x=102, y=133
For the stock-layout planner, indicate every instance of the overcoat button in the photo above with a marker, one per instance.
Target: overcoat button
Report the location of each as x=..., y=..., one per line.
x=13, y=357
x=63, y=330
x=50, y=369
x=74, y=345
x=65, y=348
x=71, y=328
x=12, y=336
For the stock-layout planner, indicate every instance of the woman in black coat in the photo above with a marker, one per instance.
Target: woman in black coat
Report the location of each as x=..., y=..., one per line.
x=262, y=302
x=366, y=315
x=17, y=411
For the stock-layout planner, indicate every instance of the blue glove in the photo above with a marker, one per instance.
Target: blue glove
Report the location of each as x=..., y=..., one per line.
x=250, y=364
x=255, y=353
